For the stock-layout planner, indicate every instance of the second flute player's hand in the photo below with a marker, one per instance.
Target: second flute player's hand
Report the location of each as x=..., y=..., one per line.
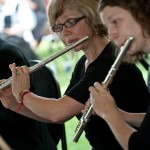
x=20, y=79
x=103, y=102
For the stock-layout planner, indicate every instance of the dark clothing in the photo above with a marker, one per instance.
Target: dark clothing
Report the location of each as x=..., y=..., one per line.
x=10, y=53
x=128, y=89
x=140, y=140
x=21, y=133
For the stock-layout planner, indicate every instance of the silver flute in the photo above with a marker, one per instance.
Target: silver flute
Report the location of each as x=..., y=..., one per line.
x=32, y=69
x=87, y=115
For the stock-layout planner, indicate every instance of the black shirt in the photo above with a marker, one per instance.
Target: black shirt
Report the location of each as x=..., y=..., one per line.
x=140, y=140
x=128, y=88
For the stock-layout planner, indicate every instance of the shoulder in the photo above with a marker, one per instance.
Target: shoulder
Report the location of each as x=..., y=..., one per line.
x=129, y=67
x=129, y=73
x=10, y=52
x=6, y=47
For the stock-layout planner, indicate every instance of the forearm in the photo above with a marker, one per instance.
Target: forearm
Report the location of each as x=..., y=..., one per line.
x=134, y=119
x=23, y=110
x=53, y=110
x=36, y=107
x=121, y=130
x=26, y=112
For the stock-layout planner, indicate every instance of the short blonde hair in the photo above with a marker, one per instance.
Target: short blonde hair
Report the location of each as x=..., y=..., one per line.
x=87, y=7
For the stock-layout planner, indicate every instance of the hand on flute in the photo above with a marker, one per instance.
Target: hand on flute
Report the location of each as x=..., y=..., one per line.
x=20, y=79
x=103, y=102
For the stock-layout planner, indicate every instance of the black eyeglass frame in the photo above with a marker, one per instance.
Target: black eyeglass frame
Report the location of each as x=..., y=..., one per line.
x=59, y=27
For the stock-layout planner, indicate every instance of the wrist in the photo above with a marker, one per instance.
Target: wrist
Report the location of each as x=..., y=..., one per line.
x=21, y=96
x=110, y=114
x=21, y=99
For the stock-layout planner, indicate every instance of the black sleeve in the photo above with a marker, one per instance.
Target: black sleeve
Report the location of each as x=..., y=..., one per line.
x=140, y=140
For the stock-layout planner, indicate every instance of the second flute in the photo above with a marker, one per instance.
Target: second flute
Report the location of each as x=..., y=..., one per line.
x=86, y=116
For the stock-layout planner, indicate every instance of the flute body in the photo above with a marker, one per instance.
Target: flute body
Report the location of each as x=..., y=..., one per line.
x=32, y=69
x=87, y=115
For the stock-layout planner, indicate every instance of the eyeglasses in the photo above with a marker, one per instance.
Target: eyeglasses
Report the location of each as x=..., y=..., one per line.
x=68, y=24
